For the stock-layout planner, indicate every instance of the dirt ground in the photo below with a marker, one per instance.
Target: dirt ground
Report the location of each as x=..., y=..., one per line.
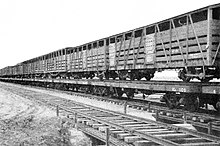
x=26, y=123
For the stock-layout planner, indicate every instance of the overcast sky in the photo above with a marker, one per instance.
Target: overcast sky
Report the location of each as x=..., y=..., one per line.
x=31, y=28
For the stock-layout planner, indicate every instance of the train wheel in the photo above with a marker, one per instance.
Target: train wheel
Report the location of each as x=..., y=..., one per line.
x=132, y=76
x=138, y=77
x=123, y=75
x=129, y=93
x=191, y=103
x=119, y=92
x=76, y=88
x=101, y=77
x=110, y=92
x=205, y=80
x=170, y=105
x=113, y=75
x=149, y=76
x=107, y=76
x=217, y=106
x=182, y=76
x=122, y=78
x=170, y=100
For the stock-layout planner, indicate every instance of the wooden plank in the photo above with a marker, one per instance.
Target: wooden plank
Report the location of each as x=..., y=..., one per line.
x=189, y=140
x=162, y=42
x=131, y=139
x=178, y=64
x=215, y=24
x=166, y=37
x=201, y=144
x=162, y=132
x=183, y=43
x=130, y=57
x=122, y=135
x=143, y=143
x=178, y=57
x=135, y=50
x=128, y=49
x=119, y=47
x=171, y=136
x=200, y=28
x=112, y=54
x=193, y=49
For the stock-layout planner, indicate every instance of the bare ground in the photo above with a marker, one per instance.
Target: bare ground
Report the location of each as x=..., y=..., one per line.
x=26, y=123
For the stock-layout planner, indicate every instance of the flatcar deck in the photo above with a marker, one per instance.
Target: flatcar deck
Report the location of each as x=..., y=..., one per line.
x=160, y=86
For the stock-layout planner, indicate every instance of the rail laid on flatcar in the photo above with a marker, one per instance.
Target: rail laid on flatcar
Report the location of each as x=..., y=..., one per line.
x=192, y=96
x=188, y=42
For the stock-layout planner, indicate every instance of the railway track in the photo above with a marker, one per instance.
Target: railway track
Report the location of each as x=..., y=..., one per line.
x=124, y=129
x=199, y=120
x=209, y=122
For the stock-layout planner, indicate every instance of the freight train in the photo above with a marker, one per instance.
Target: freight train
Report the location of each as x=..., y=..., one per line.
x=189, y=42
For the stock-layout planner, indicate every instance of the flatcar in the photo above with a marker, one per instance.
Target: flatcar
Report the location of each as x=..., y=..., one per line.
x=189, y=42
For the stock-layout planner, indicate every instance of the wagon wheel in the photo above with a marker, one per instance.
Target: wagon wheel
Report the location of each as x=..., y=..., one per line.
x=192, y=104
x=119, y=92
x=182, y=76
x=113, y=75
x=130, y=93
x=138, y=77
x=76, y=89
x=103, y=91
x=107, y=76
x=205, y=80
x=114, y=78
x=186, y=79
x=92, y=76
x=101, y=77
x=122, y=78
x=132, y=77
x=149, y=76
x=110, y=92
x=216, y=105
x=170, y=102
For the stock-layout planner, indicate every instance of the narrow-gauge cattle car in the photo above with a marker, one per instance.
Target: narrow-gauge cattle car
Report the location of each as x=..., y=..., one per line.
x=10, y=70
x=25, y=69
x=39, y=65
x=87, y=60
x=19, y=69
x=54, y=63
x=13, y=70
x=188, y=42
x=4, y=71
